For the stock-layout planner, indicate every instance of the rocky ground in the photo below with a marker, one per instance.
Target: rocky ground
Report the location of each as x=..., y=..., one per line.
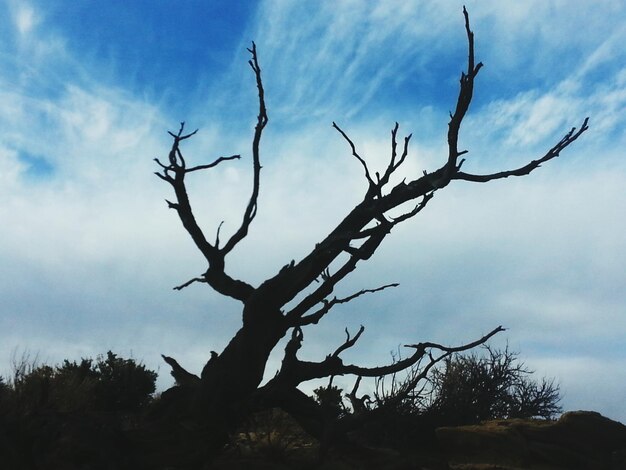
x=578, y=440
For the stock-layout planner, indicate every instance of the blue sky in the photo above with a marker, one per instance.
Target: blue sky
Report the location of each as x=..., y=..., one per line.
x=89, y=251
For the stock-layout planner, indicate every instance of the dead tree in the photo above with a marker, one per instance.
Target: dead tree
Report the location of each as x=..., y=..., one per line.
x=230, y=381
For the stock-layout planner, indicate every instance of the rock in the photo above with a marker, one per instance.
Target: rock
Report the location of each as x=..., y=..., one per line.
x=578, y=440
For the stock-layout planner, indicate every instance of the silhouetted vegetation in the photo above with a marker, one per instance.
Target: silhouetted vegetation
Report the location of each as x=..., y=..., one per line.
x=330, y=399
x=72, y=415
x=472, y=388
x=110, y=383
x=463, y=389
x=271, y=435
x=98, y=414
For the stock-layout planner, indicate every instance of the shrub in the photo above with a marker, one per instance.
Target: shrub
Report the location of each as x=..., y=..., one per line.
x=270, y=434
x=5, y=393
x=123, y=385
x=464, y=389
x=331, y=400
x=472, y=388
x=31, y=384
x=110, y=384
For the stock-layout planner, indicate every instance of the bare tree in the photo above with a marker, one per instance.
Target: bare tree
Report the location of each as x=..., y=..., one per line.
x=230, y=382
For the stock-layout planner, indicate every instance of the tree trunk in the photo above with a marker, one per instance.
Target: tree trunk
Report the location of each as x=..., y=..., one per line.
x=229, y=379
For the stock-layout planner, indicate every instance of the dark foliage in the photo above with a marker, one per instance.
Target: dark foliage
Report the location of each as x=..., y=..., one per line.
x=472, y=388
x=73, y=415
x=110, y=383
x=331, y=400
x=271, y=435
x=5, y=390
x=122, y=383
x=465, y=389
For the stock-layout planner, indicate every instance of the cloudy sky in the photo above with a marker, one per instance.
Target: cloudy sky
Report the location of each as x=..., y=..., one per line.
x=89, y=252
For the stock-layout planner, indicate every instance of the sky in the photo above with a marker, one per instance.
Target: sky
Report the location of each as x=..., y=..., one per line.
x=89, y=252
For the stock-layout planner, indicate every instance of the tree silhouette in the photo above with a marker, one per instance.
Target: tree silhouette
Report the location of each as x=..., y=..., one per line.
x=229, y=385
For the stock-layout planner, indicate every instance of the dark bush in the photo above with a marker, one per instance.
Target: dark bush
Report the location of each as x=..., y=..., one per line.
x=472, y=388
x=123, y=385
x=110, y=384
x=464, y=389
x=331, y=400
x=31, y=385
x=5, y=393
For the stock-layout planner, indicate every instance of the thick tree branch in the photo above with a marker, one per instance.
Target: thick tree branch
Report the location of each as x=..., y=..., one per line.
x=183, y=207
x=298, y=371
x=215, y=275
x=464, y=99
x=363, y=252
x=181, y=376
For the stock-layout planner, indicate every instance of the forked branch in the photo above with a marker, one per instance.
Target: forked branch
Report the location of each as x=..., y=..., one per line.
x=394, y=162
x=350, y=341
x=364, y=228
x=175, y=173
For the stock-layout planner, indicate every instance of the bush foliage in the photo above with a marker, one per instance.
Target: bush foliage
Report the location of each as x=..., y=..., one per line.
x=464, y=389
x=110, y=383
x=473, y=388
x=79, y=399
x=470, y=388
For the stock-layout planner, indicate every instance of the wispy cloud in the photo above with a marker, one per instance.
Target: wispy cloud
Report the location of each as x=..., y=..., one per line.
x=25, y=19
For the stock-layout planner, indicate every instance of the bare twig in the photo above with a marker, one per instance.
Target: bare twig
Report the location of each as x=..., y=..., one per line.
x=349, y=341
x=189, y=282
x=393, y=165
x=315, y=317
x=215, y=163
x=372, y=185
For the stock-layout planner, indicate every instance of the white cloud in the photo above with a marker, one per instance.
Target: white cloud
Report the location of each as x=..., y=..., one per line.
x=25, y=19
